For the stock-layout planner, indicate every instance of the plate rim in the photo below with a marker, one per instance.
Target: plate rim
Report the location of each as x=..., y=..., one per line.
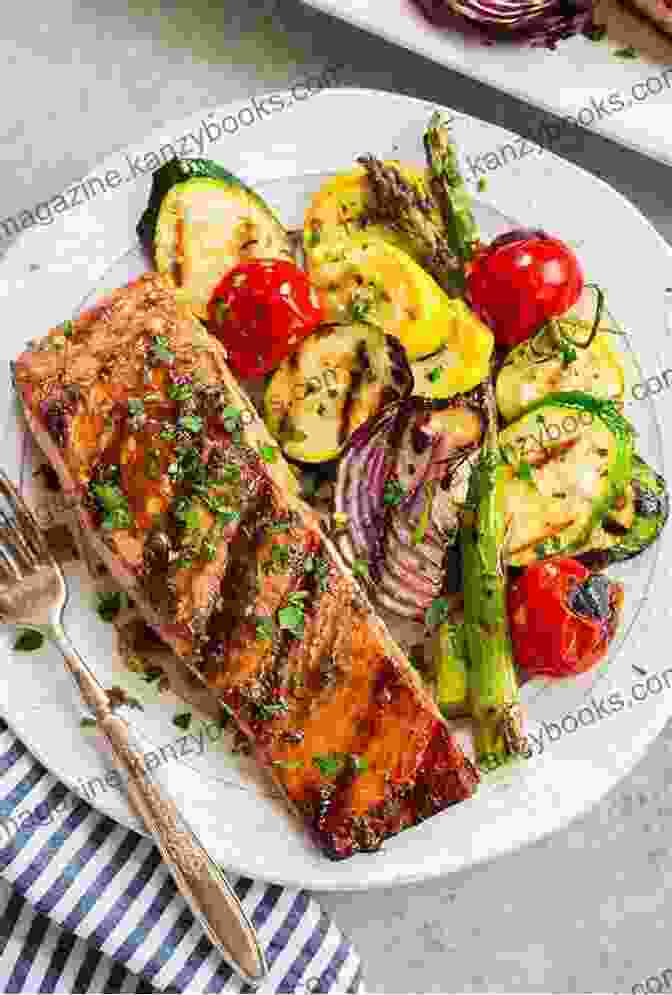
x=646, y=730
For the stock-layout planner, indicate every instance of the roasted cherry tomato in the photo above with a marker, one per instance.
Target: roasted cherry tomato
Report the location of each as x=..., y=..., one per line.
x=261, y=311
x=520, y=280
x=562, y=617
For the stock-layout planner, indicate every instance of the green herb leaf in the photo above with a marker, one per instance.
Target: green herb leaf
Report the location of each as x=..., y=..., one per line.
x=29, y=641
x=190, y=423
x=180, y=391
x=269, y=454
x=329, y=764
x=292, y=617
x=113, y=503
x=186, y=513
x=525, y=472
x=221, y=310
x=360, y=568
x=168, y=432
x=152, y=675
x=136, y=406
x=287, y=764
x=333, y=764
x=110, y=603
x=153, y=464
x=208, y=550
x=264, y=626
x=626, y=53
x=434, y=374
x=67, y=329
x=319, y=566
x=87, y=723
x=182, y=720
x=437, y=613
x=160, y=350
x=393, y=492
x=268, y=710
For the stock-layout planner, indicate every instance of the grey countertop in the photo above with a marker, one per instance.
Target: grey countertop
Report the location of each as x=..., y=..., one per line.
x=584, y=910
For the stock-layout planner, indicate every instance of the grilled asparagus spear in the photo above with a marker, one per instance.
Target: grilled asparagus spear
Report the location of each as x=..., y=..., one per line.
x=449, y=191
x=493, y=686
x=396, y=203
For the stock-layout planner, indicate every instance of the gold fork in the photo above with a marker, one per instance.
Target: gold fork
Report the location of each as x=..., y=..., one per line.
x=33, y=592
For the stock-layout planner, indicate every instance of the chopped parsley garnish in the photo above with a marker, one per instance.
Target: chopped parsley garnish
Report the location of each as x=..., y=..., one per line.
x=567, y=352
x=314, y=236
x=186, y=514
x=269, y=454
x=67, y=329
x=229, y=473
x=152, y=675
x=626, y=53
x=160, y=351
x=268, y=710
x=279, y=560
x=168, y=432
x=393, y=492
x=292, y=617
x=87, y=723
x=113, y=503
x=232, y=418
x=524, y=472
x=333, y=764
x=359, y=308
x=287, y=764
x=208, y=549
x=190, y=423
x=434, y=374
x=182, y=720
x=221, y=310
x=264, y=626
x=153, y=464
x=136, y=406
x=180, y=391
x=108, y=423
x=360, y=568
x=219, y=506
x=319, y=566
x=28, y=641
x=110, y=603
x=283, y=526
x=437, y=613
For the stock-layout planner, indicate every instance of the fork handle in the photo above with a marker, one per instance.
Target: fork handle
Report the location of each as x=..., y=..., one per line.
x=201, y=882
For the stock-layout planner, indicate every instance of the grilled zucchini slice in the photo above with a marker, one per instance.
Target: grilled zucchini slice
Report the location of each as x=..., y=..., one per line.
x=201, y=221
x=630, y=529
x=341, y=375
x=570, y=460
x=537, y=367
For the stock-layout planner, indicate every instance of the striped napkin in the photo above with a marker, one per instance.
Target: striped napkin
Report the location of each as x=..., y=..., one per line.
x=87, y=906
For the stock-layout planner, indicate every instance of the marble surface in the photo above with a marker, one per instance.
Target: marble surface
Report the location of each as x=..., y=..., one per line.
x=584, y=910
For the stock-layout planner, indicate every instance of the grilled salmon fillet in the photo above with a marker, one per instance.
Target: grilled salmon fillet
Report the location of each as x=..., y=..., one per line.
x=188, y=500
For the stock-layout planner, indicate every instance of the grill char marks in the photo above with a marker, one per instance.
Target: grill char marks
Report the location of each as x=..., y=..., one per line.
x=330, y=704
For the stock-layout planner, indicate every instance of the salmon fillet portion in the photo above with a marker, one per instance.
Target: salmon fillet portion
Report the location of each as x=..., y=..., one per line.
x=189, y=502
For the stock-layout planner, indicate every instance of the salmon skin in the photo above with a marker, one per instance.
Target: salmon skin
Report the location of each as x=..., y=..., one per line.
x=190, y=504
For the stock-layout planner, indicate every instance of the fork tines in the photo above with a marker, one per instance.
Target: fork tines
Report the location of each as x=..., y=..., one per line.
x=22, y=545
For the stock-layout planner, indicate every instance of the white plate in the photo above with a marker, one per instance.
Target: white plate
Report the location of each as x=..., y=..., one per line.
x=569, y=82
x=51, y=272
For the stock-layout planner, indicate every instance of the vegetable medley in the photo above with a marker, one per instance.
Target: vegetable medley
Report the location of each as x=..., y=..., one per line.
x=453, y=408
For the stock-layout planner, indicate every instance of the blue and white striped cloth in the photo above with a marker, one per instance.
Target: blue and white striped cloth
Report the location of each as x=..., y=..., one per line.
x=87, y=906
